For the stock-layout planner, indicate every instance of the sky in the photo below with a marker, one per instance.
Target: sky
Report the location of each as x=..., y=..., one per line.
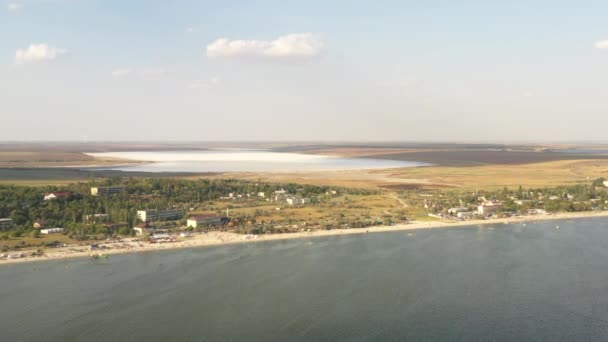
x=122, y=70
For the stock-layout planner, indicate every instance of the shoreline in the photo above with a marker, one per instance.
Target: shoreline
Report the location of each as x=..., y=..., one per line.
x=216, y=238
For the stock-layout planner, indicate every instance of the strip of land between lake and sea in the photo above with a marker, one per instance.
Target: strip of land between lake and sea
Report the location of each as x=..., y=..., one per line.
x=218, y=238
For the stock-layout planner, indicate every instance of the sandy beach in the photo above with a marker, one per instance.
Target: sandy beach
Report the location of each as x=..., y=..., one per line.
x=215, y=238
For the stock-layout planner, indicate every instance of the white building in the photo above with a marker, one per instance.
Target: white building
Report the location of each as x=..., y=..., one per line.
x=203, y=221
x=606, y=184
x=457, y=210
x=297, y=200
x=5, y=223
x=51, y=231
x=106, y=190
x=489, y=208
x=148, y=215
x=261, y=194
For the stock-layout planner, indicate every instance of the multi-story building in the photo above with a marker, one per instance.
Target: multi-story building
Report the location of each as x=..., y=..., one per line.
x=148, y=215
x=106, y=190
x=203, y=221
x=489, y=208
x=5, y=223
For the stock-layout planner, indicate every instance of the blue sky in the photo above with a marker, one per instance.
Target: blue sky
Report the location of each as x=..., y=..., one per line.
x=305, y=70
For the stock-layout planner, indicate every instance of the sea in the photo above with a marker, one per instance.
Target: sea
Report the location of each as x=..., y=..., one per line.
x=539, y=281
x=244, y=161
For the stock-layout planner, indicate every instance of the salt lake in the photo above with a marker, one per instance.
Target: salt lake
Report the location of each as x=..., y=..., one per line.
x=244, y=161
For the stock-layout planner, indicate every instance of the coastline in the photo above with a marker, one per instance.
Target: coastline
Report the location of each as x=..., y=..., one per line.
x=215, y=238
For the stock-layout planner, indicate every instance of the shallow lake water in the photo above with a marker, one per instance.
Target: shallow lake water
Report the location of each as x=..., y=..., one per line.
x=479, y=283
x=243, y=161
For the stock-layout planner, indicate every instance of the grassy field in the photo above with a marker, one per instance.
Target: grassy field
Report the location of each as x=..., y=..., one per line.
x=341, y=207
x=458, y=166
x=552, y=173
x=39, y=241
x=498, y=176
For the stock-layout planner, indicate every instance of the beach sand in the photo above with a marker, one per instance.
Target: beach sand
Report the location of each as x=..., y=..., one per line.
x=216, y=238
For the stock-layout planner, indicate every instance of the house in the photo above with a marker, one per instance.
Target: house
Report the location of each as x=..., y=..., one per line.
x=605, y=183
x=55, y=195
x=489, y=208
x=39, y=224
x=204, y=220
x=106, y=190
x=51, y=231
x=331, y=192
x=261, y=194
x=142, y=228
x=296, y=200
x=5, y=223
x=148, y=215
x=457, y=210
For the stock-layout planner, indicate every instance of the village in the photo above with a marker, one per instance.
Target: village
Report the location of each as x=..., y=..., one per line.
x=163, y=224
x=251, y=213
x=504, y=204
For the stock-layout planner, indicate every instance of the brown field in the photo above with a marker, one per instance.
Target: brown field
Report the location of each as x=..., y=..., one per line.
x=458, y=166
x=484, y=157
x=30, y=159
x=551, y=173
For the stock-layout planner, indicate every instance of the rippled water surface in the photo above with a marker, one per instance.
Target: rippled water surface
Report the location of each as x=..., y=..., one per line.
x=503, y=282
x=245, y=160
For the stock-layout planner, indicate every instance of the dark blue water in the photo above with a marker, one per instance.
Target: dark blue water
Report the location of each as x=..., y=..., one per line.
x=510, y=282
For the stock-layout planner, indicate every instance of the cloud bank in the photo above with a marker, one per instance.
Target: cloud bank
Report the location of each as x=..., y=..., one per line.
x=603, y=44
x=38, y=53
x=294, y=45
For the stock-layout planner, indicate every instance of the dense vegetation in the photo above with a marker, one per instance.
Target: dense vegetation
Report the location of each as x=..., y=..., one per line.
x=568, y=198
x=25, y=205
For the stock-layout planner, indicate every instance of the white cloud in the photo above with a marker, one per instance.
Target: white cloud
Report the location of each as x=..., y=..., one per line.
x=200, y=84
x=603, y=44
x=295, y=45
x=14, y=6
x=38, y=53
